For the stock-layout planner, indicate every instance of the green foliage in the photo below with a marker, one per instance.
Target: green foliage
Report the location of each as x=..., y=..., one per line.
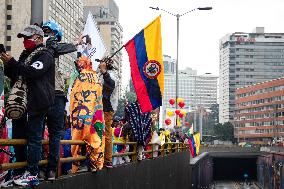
x=7, y=88
x=213, y=119
x=128, y=97
x=224, y=131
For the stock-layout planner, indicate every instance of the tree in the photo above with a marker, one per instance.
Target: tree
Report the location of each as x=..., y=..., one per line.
x=224, y=131
x=211, y=120
x=128, y=97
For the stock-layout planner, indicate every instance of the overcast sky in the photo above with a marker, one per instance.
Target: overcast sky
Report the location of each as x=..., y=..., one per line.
x=200, y=31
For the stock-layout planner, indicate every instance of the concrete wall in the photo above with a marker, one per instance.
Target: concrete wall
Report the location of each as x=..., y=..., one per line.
x=167, y=172
x=229, y=149
x=201, y=171
x=270, y=171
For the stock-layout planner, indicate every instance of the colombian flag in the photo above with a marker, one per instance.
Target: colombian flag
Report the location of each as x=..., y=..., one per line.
x=192, y=147
x=146, y=63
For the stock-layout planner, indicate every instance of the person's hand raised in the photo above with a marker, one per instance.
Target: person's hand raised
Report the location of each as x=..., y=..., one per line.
x=5, y=57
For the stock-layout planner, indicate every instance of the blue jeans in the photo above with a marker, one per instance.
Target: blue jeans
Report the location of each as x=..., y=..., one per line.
x=35, y=128
x=55, y=124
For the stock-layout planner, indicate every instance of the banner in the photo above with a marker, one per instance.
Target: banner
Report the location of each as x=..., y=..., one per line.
x=93, y=45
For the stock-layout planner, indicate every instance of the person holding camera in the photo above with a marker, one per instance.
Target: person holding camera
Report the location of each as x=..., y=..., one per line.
x=36, y=65
x=108, y=77
x=55, y=115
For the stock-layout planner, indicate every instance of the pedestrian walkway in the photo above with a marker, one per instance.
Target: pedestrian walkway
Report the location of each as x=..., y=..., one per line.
x=233, y=185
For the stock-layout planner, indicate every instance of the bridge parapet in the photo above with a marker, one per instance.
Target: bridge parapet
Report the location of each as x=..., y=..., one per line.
x=229, y=149
x=201, y=170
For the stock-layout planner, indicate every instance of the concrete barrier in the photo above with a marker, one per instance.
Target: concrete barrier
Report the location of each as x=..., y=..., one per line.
x=169, y=172
x=201, y=170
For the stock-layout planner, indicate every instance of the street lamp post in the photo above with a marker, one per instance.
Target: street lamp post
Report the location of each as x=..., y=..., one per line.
x=178, y=16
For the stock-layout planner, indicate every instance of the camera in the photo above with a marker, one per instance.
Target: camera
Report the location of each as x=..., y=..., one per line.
x=2, y=48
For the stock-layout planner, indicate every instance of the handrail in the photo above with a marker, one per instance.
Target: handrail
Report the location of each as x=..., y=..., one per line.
x=17, y=165
x=20, y=142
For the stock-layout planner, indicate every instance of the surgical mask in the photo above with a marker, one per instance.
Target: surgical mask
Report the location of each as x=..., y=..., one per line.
x=29, y=44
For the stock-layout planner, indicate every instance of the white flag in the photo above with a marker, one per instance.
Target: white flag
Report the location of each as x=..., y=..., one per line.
x=93, y=45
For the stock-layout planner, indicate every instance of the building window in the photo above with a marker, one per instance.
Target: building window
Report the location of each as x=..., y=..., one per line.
x=9, y=7
x=9, y=17
x=8, y=48
x=8, y=38
x=9, y=27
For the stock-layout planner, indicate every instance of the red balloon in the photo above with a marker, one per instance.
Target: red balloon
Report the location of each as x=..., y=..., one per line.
x=172, y=101
x=186, y=124
x=177, y=112
x=181, y=104
x=181, y=115
x=168, y=121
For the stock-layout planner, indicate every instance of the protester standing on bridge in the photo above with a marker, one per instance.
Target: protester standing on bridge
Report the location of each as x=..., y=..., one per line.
x=108, y=78
x=86, y=115
x=55, y=115
x=36, y=66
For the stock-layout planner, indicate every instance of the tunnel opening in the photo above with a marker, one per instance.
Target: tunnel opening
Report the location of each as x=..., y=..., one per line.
x=234, y=168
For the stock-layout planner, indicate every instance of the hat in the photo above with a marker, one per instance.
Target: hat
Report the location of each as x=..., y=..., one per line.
x=31, y=30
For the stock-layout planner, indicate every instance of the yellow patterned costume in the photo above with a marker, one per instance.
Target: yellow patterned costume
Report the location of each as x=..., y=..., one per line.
x=86, y=114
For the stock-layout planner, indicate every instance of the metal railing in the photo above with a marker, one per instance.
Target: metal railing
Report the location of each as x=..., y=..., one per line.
x=167, y=148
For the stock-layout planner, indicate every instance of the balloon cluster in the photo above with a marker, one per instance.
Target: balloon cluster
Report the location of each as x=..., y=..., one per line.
x=178, y=112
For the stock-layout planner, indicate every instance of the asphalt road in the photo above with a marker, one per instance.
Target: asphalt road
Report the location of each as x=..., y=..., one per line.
x=233, y=185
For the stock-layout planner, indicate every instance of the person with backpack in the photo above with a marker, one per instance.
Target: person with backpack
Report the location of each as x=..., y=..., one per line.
x=36, y=66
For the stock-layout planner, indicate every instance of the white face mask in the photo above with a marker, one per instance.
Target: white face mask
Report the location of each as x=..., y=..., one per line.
x=45, y=39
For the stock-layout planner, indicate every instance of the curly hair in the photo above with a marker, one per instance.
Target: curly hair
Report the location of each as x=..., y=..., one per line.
x=84, y=63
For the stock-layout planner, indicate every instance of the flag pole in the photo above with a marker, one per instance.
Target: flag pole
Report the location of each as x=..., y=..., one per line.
x=98, y=60
x=116, y=51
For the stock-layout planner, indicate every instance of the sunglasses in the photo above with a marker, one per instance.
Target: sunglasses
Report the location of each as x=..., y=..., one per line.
x=31, y=37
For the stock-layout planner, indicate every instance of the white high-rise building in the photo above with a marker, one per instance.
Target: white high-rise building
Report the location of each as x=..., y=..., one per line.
x=196, y=90
x=106, y=14
x=246, y=59
x=169, y=64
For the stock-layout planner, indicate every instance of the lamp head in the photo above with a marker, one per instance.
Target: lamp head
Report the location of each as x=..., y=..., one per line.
x=155, y=8
x=204, y=8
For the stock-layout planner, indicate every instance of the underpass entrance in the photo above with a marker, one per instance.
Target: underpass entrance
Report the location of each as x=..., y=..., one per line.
x=234, y=168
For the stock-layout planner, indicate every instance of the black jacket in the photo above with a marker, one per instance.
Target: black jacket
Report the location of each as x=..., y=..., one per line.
x=108, y=87
x=60, y=48
x=40, y=78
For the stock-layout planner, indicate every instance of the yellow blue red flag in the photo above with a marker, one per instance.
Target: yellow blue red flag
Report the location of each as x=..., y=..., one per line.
x=146, y=63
